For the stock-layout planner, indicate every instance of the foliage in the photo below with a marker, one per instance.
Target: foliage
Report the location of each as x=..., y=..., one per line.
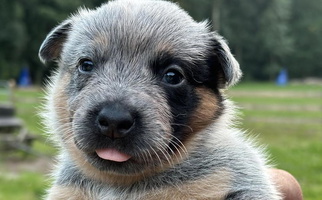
x=265, y=36
x=258, y=32
x=24, y=26
x=306, y=29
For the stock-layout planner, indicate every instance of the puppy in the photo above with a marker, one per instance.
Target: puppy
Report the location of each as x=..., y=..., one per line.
x=137, y=109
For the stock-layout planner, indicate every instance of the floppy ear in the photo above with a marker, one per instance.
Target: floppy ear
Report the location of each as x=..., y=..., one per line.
x=226, y=61
x=51, y=47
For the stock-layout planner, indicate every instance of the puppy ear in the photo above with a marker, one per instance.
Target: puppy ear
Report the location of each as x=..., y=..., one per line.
x=226, y=61
x=51, y=47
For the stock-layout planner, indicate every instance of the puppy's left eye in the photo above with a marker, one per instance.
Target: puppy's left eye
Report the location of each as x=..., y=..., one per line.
x=86, y=66
x=173, y=77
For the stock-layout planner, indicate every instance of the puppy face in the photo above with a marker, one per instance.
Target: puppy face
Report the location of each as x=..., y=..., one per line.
x=136, y=81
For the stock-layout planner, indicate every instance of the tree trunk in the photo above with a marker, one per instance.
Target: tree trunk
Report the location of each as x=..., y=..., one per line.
x=216, y=5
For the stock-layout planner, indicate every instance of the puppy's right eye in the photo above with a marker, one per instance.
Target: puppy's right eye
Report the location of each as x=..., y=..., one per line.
x=86, y=66
x=173, y=76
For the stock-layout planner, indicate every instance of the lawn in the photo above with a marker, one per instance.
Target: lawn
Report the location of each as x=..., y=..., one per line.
x=22, y=176
x=288, y=120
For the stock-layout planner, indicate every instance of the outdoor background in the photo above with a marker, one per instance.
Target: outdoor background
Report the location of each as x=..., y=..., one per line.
x=278, y=44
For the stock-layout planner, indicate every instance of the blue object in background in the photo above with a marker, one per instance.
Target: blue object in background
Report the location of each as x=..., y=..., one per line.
x=24, y=78
x=282, y=78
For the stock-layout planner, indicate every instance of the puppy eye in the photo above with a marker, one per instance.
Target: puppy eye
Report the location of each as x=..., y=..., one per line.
x=173, y=77
x=86, y=66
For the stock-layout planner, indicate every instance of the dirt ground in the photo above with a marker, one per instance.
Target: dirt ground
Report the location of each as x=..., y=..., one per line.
x=14, y=166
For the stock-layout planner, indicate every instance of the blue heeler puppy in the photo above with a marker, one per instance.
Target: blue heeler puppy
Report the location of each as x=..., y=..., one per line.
x=137, y=109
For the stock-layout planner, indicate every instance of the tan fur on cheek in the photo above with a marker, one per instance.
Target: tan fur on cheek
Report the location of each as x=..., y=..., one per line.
x=60, y=100
x=206, y=111
x=61, y=110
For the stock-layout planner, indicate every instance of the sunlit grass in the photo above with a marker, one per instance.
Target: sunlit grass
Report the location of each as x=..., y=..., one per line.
x=250, y=86
x=276, y=100
x=25, y=186
x=292, y=135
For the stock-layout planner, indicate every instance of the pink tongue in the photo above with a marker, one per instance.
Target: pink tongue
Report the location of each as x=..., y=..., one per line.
x=113, y=155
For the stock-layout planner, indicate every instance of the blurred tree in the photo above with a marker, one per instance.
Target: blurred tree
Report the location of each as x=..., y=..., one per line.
x=258, y=34
x=41, y=16
x=306, y=30
x=12, y=38
x=264, y=35
x=216, y=7
x=198, y=9
x=25, y=24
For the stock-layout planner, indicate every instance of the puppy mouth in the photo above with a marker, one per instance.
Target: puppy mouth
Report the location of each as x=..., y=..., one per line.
x=104, y=152
x=120, y=159
x=112, y=154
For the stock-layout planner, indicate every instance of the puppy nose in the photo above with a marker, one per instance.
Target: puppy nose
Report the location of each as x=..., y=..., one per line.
x=115, y=121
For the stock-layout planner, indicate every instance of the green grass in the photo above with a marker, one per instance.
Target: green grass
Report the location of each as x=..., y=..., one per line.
x=295, y=147
x=17, y=184
x=26, y=186
x=282, y=113
x=249, y=86
x=282, y=101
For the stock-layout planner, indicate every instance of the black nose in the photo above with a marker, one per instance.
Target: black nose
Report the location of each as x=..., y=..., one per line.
x=115, y=121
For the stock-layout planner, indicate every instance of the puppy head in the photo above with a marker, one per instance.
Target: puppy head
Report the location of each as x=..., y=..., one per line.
x=136, y=81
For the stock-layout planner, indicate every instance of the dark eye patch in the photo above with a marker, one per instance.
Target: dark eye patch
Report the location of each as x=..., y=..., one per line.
x=168, y=69
x=196, y=73
x=183, y=99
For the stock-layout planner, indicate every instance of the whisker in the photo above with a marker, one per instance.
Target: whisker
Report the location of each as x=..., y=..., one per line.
x=161, y=163
x=179, y=144
x=184, y=125
x=163, y=148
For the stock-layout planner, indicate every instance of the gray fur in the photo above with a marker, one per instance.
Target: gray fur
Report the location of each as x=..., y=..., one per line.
x=123, y=37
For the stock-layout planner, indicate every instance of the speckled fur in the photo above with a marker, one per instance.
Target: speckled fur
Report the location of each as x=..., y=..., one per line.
x=187, y=146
